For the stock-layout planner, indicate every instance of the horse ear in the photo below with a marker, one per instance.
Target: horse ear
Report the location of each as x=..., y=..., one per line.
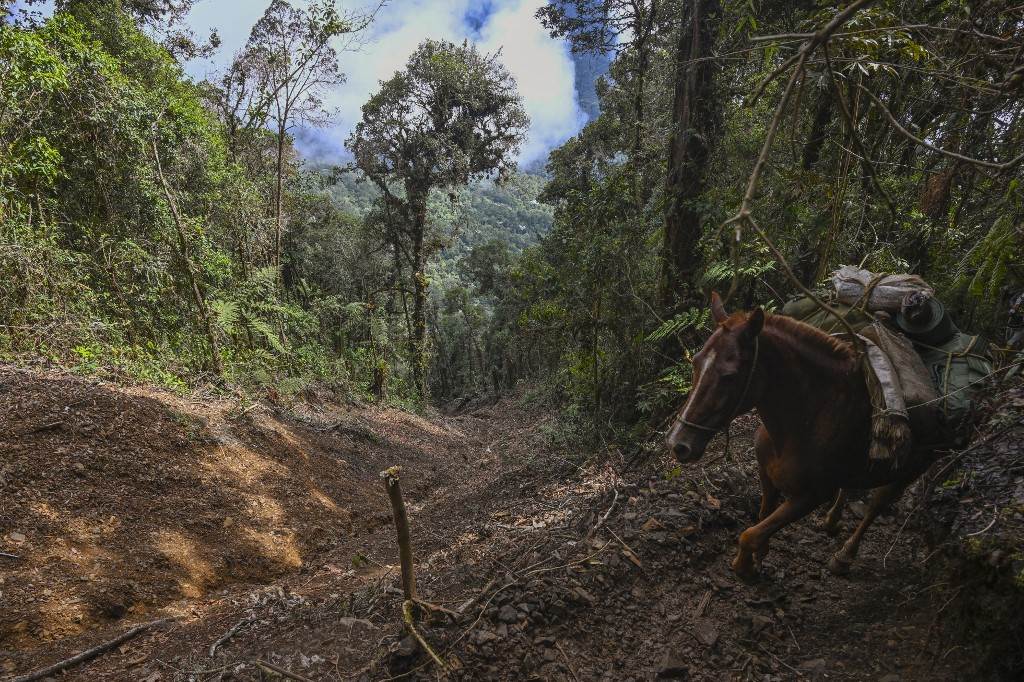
x=755, y=323
x=717, y=309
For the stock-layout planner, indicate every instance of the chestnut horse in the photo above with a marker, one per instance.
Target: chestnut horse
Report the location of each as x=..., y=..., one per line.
x=816, y=424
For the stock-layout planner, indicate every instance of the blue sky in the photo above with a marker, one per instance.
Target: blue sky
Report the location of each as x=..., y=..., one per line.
x=542, y=66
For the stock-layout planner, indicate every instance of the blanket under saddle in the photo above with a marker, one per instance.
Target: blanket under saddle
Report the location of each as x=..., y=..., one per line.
x=897, y=380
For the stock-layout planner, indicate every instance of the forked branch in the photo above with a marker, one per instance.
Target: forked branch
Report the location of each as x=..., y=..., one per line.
x=744, y=216
x=945, y=152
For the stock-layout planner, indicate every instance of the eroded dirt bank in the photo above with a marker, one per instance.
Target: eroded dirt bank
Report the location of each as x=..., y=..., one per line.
x=269, y=523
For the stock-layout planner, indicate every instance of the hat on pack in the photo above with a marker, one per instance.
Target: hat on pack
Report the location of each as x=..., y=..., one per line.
x=925, y=320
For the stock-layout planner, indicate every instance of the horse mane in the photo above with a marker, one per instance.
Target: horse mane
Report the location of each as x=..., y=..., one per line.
x=813, y=344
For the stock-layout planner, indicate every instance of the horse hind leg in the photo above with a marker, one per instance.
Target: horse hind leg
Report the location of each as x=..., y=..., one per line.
x=844, y=558
x=835, y=514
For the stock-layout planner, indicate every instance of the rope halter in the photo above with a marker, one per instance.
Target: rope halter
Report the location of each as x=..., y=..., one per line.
x=735, y=410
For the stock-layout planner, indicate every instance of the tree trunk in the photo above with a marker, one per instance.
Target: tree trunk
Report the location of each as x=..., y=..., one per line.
x=198, y=295
x=419, y=278
x=819, y=127
x=643, y=28
x=696, y=112
x=279, y=200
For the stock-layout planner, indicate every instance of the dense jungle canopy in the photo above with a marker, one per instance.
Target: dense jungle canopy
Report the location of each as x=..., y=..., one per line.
x=168, y=230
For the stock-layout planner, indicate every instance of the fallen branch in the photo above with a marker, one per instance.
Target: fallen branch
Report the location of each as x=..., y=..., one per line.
x=42, y=427
x=630, y=554
x=437, y=608
x=228, y=635
x=604, y=518
x=568, y=664
x=986, y=528
x=516, y=581
x=5, y=555
x=89, y=654
x=703, y=604
x=780, y=661
x=468, y=604
x=270, y=668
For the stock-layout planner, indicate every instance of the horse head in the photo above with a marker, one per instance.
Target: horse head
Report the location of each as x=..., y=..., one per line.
x=723, y=373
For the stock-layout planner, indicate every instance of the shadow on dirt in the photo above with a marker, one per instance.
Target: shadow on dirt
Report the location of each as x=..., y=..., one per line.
x=117, y=501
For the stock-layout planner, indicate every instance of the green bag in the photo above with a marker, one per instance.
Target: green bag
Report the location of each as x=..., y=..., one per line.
x=807, y=311
x=957, y=368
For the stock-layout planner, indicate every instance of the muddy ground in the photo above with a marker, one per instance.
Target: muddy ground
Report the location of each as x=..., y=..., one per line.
x=263, y=528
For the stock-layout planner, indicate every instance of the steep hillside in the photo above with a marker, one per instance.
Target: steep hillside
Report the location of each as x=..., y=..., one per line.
x=262, y=532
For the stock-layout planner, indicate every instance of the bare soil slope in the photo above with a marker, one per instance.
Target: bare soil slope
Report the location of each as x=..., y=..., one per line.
x=266, y=532
x=117, y=503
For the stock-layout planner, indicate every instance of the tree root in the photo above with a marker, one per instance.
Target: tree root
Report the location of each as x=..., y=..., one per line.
x=410, y=624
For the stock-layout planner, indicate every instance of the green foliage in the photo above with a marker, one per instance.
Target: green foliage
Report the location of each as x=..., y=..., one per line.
x=99, y=276
x=684, y=321
x=581, y=312
x=436, y=262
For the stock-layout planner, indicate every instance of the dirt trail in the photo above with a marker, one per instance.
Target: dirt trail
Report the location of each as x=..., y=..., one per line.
x=270, y=524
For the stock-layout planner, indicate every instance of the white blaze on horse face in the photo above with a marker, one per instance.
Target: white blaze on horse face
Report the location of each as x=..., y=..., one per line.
x=695, y=394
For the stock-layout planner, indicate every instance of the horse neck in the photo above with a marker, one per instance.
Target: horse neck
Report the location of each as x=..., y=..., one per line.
x=800, y=373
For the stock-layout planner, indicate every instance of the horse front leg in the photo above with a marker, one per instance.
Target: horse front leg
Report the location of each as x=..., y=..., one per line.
x=769, y=503
x=754, y=540
x=844, y=558
x=769, y=495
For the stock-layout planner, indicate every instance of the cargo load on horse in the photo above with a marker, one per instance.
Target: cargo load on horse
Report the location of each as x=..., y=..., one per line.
x=922, y=356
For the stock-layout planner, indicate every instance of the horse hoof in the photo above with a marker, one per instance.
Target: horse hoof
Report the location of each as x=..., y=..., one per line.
x=747, y=573
x=839, y=566
x=830, y=529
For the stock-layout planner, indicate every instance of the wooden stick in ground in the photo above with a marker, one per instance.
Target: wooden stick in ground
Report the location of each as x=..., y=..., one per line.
x=89, y=654
x=394, y=490
x=408, y=614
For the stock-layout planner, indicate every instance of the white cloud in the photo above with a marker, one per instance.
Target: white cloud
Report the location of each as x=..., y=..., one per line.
x=542, y=66
x=543, y=70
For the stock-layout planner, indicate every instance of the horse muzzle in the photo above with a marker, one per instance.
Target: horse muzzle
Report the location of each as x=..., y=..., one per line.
x=686, y=445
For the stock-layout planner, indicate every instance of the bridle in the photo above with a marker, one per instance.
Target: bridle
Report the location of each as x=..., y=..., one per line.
x=735, y=410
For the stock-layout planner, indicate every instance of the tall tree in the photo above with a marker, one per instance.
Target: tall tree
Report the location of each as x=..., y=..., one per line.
x=292, y=49
x=452, y=115
x=618, y=26
x=696, y=115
